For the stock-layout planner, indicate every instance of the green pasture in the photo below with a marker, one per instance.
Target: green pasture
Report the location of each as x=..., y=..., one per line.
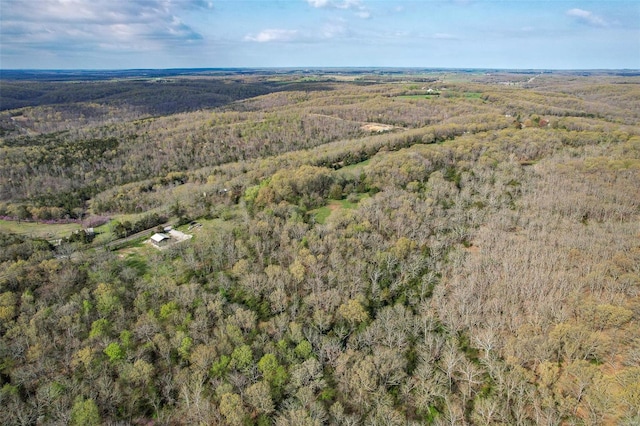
x=39, y=230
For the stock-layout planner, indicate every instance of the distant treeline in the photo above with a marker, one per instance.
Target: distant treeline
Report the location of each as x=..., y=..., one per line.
x=154, y=96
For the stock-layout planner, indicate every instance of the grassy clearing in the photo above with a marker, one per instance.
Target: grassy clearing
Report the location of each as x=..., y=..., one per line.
x=206, y=225
x=322, y=213
x=418, y=96
x=129, y=243
x=135, y=255
x=134, y=217
x=136, y=262
x=354, y=168
x=39, y=230
x=462, y=77
x=346, y=204
x=473, y=95
x=103, y=234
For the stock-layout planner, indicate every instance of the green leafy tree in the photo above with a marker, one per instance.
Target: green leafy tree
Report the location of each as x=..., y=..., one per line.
x=115, y=352
x=242, y=357
x=100, y=328
x=303, y=349
x=85, y=413
x=272, y=371
x=219, y=367
x=185, y=347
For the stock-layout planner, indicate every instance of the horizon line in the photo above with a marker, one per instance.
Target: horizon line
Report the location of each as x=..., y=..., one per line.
x=316, y=68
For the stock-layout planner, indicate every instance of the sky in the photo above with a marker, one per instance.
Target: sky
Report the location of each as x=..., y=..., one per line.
x=509, y=34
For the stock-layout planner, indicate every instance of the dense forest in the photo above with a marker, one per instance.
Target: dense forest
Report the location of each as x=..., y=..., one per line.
x=429, y=248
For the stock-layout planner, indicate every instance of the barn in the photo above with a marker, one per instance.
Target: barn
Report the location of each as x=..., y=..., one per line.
x=160, y=240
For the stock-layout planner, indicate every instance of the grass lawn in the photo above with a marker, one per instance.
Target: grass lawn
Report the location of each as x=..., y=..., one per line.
x=137, y=262
x=128, y=246
x=39, y=230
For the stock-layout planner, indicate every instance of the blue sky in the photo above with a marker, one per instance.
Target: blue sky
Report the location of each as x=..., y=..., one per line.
x=117, y=34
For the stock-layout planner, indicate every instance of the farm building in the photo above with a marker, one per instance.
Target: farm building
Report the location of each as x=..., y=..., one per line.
x=160, y=239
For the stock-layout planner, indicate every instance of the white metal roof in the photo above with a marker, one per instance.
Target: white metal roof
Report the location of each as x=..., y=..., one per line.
x=159, y=237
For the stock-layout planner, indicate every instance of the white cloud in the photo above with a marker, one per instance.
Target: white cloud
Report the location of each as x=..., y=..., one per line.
x=97, y=11
x=330, y=30
x=318, y=3
x=587, y=17
x=74, y=25
x=272, y=35
x=356, y=5
x=349, y=4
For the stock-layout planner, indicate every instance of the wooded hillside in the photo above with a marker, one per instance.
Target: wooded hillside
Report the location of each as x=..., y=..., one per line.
x=434, y=249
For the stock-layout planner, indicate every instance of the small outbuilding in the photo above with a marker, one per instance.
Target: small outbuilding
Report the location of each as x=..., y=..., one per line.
x=160, y=240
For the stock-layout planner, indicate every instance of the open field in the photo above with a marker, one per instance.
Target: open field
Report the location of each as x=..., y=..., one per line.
x=39, y=230
x=418, y=96
x=321, y=214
